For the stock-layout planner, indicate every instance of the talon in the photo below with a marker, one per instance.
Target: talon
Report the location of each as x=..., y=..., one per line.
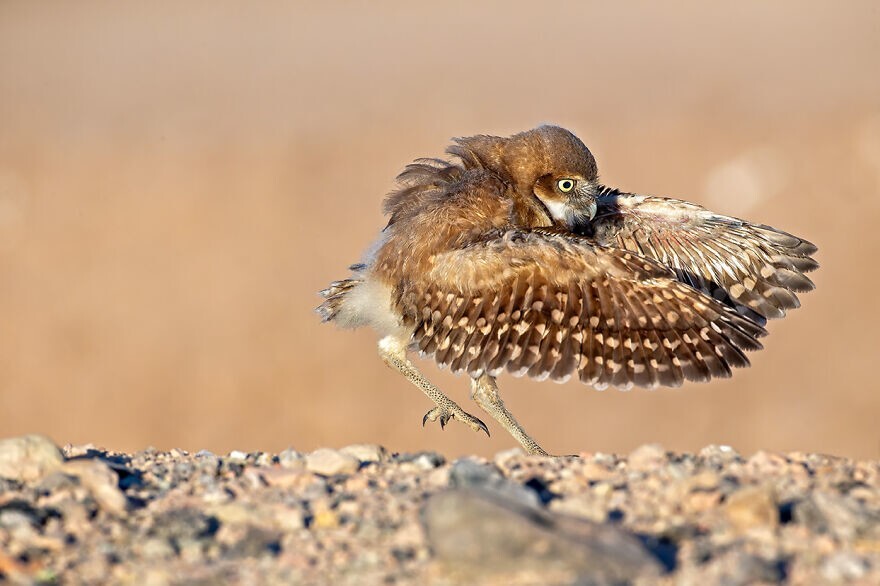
x=444, y=415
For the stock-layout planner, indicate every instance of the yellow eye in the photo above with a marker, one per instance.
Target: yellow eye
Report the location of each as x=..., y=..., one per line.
x=565, y=185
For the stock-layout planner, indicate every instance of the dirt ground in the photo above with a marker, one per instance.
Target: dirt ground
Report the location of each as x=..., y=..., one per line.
x=177, y=181
x=364, y=516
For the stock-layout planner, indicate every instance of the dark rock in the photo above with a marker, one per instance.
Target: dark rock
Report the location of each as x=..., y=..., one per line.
x=186, y=525
x=742, y=569
x=839, y=515
x=256, y=542
x=475, y=533
x=471, y=473
x=429, y=459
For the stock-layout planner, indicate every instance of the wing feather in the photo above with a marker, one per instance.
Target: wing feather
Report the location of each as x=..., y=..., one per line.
x=752, y=267
x=554, y=305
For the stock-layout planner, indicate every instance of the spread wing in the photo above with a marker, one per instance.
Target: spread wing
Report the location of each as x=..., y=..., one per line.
x=554, y=304
x=754, y=268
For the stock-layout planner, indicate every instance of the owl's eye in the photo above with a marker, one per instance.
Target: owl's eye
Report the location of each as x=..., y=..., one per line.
x=565, y=185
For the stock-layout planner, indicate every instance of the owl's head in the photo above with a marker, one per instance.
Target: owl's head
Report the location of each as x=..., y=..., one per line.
x=548, y=163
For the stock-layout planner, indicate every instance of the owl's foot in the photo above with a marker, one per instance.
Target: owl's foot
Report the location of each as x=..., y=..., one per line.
x=446, y=412
x=485, y=392
x=393, y=353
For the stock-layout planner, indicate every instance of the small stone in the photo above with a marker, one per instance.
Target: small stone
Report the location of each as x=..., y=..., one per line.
x=717, y=455
x=290, y=458
x=699, y=502
x=366, y=453
x=505, y=458
x=647, y=458
x=844, y=566
x=156, y=549
x=264, y=459
x=28, y=458
x=751, y=508
x=255, y=542
x=427, y=460
x=766, y=463
x=703, y=481
x=743, y=568
x=325, y=519
x=840, y=515
x=237, y=456
x=583, y=506
x=327, y=462
x=284, y=477
x=101, y=482
x=603, y=489
x=595, y=471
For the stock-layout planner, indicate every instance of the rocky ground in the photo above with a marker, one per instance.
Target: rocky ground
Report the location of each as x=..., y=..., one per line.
x=361, y=515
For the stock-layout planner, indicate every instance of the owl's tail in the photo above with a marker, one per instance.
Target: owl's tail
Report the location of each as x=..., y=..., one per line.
x=335, y=297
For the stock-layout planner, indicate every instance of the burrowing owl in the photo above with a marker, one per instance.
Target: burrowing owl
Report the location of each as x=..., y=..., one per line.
x=515, y=258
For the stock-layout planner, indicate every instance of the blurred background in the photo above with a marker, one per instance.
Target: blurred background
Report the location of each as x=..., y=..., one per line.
x=177, y=180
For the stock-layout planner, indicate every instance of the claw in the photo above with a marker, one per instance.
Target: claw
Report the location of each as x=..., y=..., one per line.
x=444, y=415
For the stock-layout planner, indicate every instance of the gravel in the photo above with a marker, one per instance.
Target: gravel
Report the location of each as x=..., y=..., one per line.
x=364, y=515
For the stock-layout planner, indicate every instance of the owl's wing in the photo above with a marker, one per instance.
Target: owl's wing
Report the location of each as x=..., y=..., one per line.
x=554, y=304
x=754, y=268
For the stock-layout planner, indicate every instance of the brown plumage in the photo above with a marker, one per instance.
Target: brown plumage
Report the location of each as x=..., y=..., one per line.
x=515, y=258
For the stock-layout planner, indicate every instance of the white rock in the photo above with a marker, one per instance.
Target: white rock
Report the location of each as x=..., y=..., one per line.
x=28, y=458
x=365, y=453
x=329, y=462
x=646, y=458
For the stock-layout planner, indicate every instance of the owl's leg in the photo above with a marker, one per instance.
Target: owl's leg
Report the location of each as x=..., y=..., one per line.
x=393, y=353
x=484, y=391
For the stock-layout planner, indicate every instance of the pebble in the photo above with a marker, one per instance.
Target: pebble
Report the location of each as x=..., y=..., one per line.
x=763, y=463
x=840, y=515
x=28, y=458
x=752, y=507
x=284, y=477
x=366, y=453
x=595, y=471
x=647, y=458
x=711, y=517
x=844, y=566
x=101, y=481
x=327, y=462
x=290, y=458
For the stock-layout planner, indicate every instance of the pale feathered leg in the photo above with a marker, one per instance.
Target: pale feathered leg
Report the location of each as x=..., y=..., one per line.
x=484, y=391
x=393, y=353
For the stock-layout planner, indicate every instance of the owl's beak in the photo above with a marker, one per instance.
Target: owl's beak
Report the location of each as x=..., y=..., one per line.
x=586, y=201
x=592, y=207
x=581, y=209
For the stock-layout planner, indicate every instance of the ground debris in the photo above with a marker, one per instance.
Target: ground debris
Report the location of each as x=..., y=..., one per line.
x=366, y=515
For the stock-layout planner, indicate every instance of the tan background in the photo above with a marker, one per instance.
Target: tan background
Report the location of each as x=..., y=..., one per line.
x=178, y=180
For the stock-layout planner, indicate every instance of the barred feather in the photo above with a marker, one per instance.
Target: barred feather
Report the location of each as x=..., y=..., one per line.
x=552, y=305
x=752, y=267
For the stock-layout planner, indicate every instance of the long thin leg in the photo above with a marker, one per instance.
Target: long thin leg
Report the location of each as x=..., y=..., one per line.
x=393, y=353
x=484, y=391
